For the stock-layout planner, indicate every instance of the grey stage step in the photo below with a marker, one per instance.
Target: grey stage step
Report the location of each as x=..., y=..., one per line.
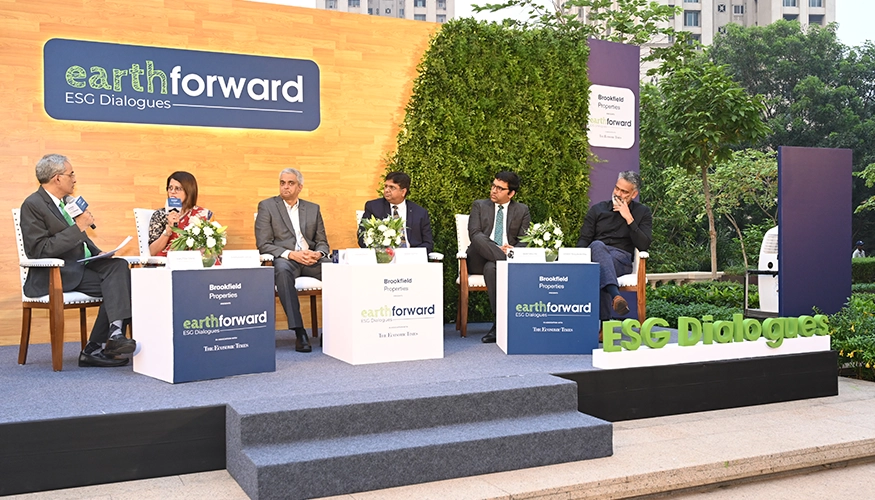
x=333, y=444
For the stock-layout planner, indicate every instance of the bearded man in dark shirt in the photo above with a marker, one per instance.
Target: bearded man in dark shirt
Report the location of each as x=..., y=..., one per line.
x=613, y=229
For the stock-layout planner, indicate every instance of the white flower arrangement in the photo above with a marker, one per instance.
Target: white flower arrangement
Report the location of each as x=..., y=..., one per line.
x=544, y=235
x=200, y=234
x=382, y=233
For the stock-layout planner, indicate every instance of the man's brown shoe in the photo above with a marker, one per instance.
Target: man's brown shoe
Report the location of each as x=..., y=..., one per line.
x=620, y=305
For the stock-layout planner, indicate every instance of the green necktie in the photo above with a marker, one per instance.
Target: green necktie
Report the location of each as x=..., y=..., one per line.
x=70, y=221
x=499, y=225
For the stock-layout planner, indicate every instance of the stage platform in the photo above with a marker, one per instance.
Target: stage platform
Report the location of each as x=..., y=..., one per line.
x=40, y=394
x=501, y=406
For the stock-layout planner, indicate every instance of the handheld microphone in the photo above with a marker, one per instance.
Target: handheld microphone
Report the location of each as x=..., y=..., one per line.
x=76, y=207
x=173, y=205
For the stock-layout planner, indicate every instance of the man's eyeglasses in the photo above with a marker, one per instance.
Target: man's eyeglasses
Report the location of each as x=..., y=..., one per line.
x=389, y=187
x=72, y=175
x=498, y=188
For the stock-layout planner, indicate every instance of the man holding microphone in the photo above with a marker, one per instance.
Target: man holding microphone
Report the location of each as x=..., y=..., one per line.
x=50, y=232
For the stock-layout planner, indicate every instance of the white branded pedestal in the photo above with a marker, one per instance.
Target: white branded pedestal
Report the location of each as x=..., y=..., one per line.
x=382, y=312
x=547, y=308
x=203, y=324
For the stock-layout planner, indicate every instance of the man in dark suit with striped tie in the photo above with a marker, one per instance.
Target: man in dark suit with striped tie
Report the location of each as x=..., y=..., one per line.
x=417, y=225
x=495, y=226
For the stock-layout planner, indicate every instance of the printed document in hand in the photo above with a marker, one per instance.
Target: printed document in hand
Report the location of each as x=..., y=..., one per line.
x=107, y=255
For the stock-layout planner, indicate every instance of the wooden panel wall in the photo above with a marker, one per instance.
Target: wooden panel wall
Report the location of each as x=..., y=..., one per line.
x=367, y=67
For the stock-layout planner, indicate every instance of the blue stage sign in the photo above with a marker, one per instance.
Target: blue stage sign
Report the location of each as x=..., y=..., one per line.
x=223, y=323
x=550, y=308
x=107, y=82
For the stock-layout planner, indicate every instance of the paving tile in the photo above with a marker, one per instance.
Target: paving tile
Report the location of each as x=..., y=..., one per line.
x=632, y=436
x=576, y=477
x=66, y=494
x=864, y=419
x=740, y=444
x=851, y=389
x=471, y=488
x=215, y=485
x=843, y=482
x=109, y=491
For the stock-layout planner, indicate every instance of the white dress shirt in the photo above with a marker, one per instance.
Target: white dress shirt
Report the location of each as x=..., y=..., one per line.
x=295, y=217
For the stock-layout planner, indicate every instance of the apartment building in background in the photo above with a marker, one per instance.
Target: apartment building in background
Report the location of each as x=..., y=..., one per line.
x=706, y=18
x=435, y=11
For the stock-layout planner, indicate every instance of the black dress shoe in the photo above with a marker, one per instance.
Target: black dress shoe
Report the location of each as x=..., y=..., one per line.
x=119, y=345
x=100, y=359
x=489, y=338
x=302, y=344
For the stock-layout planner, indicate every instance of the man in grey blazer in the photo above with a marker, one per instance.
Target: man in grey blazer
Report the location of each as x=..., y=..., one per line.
x=49, y=232
x=292, y=230
x=495, y=226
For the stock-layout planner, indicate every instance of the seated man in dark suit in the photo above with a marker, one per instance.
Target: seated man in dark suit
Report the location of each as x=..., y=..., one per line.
x=291, y=229
x=613, y=229
x=417, y=225
x=50, y=232
x=495, y=226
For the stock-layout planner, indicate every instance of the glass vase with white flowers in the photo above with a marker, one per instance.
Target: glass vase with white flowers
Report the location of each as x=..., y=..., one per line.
x=204, y=235
x=547, y=235
x=383, y=235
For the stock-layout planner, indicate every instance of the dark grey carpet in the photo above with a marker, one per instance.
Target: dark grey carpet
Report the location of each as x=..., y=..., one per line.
x=333, y=444
x=35, y=392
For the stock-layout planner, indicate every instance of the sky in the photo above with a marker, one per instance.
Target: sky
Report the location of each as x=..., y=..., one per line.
x=855, y=21
x=853, y=16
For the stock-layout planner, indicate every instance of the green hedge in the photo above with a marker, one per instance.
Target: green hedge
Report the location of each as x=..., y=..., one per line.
x=720, y=299
x=853, y=335
x=863, y=288
x=491, y=98
x=669, y=311
x=863, y=270
x=717, y=293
